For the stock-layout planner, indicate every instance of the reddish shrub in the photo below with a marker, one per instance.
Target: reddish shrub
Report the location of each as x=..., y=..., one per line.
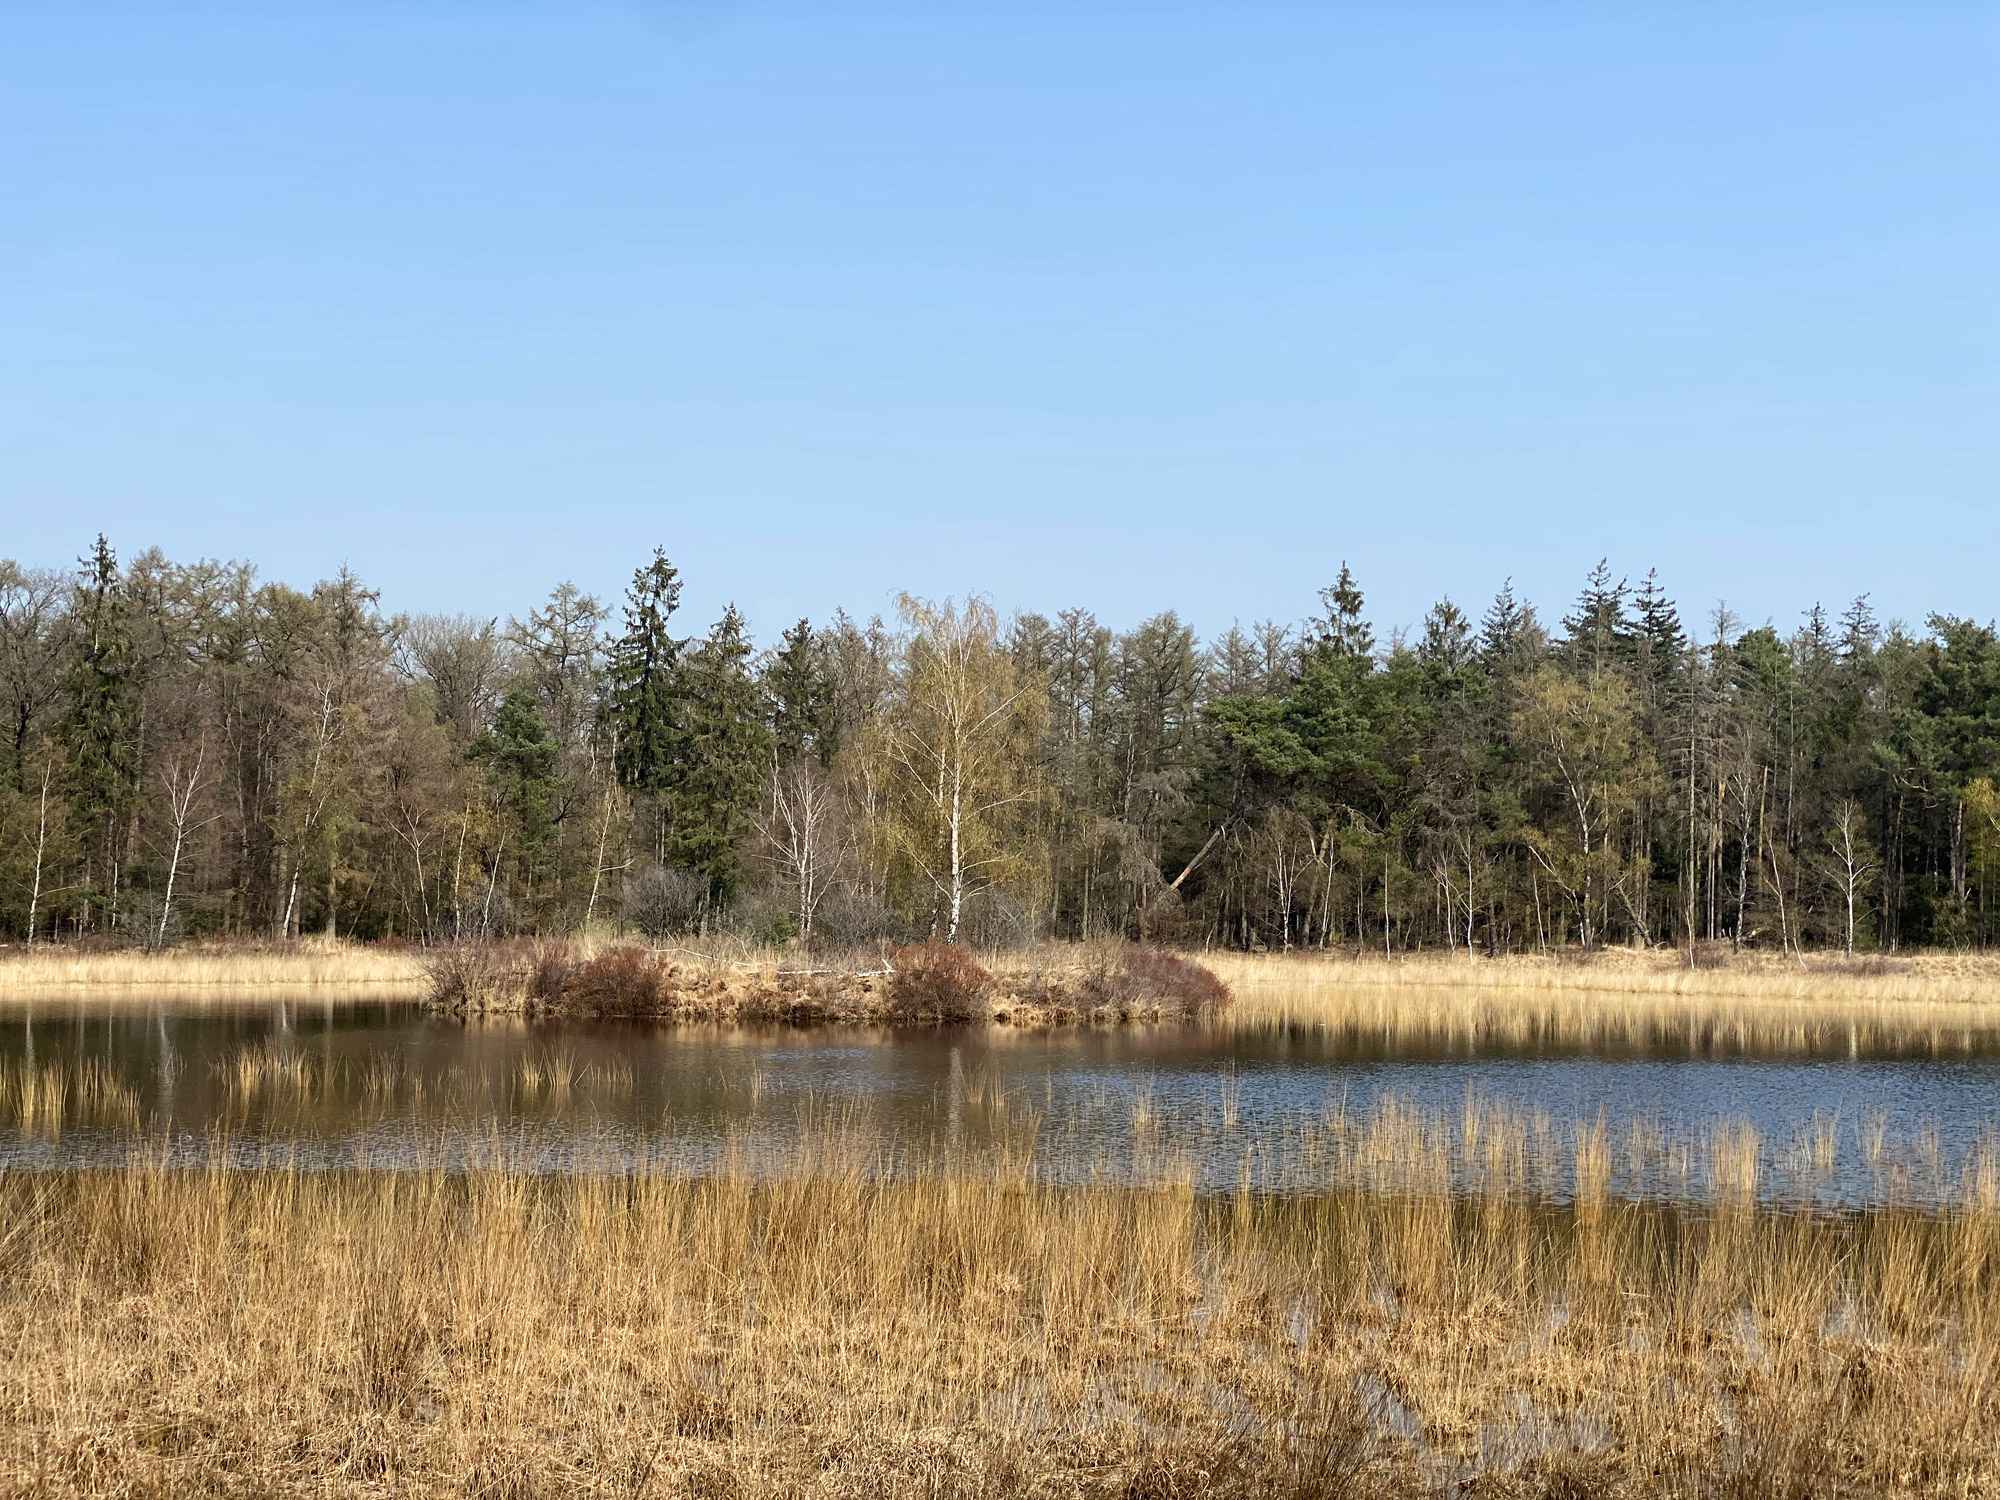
x=618, y=982
x=938, y=982
x=1154, y=979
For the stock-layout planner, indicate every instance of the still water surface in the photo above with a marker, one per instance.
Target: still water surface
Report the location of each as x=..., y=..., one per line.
x=331, y=1083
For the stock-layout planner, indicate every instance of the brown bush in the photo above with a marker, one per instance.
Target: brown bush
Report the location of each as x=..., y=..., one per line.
x=1154, y=979
x=618, y=982
x=555, y=966
x=471, y=976
x=938, y=982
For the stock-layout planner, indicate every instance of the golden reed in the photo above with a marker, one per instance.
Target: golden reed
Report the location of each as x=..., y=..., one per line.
x=226, y=969
x=1943, y=1004
x=836, y=1332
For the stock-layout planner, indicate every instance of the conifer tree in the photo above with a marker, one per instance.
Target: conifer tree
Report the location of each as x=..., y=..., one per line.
x=640, y=706
x=722, y=752
x=799, y=683
x=1599, y=633
x=1343, y=631
x=520, y=757
x=103, y=713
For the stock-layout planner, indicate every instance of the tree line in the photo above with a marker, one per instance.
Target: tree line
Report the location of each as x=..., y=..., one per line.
x=190, y=751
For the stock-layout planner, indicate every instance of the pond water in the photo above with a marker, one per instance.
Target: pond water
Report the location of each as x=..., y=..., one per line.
x=336, y=1082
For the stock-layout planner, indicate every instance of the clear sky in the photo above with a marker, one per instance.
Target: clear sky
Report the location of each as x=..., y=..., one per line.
x=1127, y=304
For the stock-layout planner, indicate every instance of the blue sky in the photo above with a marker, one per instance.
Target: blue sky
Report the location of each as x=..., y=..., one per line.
x=1125, y=304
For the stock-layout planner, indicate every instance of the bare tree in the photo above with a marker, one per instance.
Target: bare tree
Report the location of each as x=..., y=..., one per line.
x=797, y=828
x=33, y=631
x=46, y=820
x=182, y=780
x=460, y=660
x=1585, y=739
x=1854, y=861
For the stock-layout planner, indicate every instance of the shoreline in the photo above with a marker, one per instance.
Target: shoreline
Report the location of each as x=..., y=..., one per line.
x=1945, y=1001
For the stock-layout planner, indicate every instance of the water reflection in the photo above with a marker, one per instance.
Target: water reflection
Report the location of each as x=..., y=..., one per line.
x=337, y=1082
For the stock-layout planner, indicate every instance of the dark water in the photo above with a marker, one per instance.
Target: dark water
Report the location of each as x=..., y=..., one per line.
x=334, y=1083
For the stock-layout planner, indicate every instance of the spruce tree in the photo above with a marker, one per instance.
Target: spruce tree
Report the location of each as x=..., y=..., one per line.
x=103, y=713
x=723, y=751
x=1599, y=633
x=1343, y=631
x=520, y=757
x=799, y=683
x=640, y=707
x=1660, y=637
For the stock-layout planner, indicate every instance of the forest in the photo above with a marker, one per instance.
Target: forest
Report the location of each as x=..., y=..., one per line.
x=191, y=752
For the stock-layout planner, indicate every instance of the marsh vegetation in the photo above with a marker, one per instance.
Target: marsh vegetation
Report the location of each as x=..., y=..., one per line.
x=836, y=1329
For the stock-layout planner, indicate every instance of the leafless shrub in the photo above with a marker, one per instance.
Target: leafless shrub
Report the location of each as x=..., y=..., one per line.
x=554, y=966
x=664, y=900
x=849, y=917
x=471, y=976
x=1135, y=981
x=1865, y=966
x=996, y=921
x=938, y=982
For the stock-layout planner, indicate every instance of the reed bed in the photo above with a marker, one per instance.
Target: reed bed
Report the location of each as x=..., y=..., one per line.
x=840, y=1330
x=1621, y=1001
x=226, y=970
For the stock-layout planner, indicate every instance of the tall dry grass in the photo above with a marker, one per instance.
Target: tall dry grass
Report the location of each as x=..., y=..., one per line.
x=838, y=1331
x=1648, y=1001
x=307, y=964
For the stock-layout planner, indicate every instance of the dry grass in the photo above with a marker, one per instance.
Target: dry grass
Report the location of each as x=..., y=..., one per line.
x=1654, y=1001
x=307, y=964
x=836, y=1332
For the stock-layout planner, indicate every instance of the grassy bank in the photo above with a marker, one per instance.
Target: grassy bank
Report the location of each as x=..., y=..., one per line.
x=969, y=1333
x=921, y=984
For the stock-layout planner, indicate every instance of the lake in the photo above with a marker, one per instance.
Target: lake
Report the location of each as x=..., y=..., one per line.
x=338, y=1082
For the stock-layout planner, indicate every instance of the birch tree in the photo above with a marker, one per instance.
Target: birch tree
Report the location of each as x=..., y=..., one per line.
x=184, y=777
x=1585, y=744
x=797, y=826
x=961, y=746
